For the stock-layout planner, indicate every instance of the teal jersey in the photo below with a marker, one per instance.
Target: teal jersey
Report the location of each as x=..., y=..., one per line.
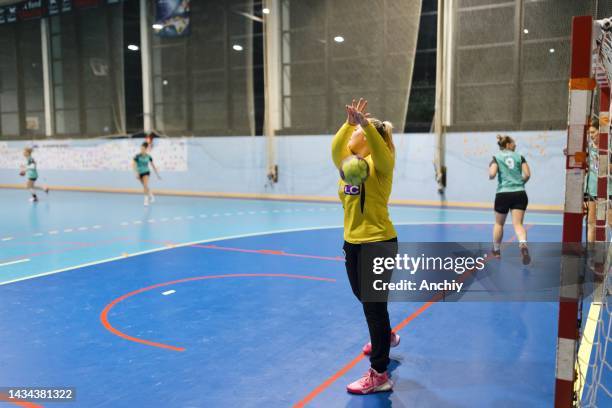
x=510, y=171
x=142, y=162
x=31, y=172
x=590, y=184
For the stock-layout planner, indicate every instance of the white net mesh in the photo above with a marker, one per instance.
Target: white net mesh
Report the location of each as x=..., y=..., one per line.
x=594, y=380
x=597, y=390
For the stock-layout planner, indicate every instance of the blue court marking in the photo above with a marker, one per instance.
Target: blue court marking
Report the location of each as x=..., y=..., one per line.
x=69, y=229
x=266, y=341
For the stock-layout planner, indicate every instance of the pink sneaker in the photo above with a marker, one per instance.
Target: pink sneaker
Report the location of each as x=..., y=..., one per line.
x=395, y=341
x=371, y=382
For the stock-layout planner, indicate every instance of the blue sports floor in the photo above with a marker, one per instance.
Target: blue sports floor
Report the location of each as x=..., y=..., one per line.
x=236, y=303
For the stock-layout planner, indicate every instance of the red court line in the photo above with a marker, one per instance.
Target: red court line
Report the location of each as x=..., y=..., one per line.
x=269, y=252
x=107, y=309
x=24, y=404
x=347, y=367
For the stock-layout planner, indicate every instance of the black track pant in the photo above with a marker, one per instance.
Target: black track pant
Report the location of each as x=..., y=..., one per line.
x=376, y=313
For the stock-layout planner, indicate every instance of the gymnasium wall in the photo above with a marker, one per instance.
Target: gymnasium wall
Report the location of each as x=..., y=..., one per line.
x=238, y=165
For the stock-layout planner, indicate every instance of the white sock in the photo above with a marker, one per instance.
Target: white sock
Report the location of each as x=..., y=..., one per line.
x=496, y=246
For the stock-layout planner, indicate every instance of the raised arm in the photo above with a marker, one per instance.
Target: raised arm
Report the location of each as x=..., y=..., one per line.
x=340, y=150
x=382, y=157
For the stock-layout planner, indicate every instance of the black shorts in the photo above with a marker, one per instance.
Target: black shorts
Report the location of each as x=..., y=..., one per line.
x=141, y=175
x=32, y=179
x=516, y=200
x=588, y=197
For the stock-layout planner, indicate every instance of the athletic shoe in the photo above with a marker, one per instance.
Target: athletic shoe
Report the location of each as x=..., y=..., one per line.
x=33, y=199
x=146, y=201
x=525, y=254
x=151, y=198
x=395, y=341
x=46, y=190
x=496, y=253
x=370, y=382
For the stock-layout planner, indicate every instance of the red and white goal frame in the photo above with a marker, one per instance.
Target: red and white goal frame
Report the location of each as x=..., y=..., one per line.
x=591, y=66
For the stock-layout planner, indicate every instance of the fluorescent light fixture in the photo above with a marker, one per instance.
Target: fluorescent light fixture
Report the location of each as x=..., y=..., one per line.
x=157, y=26
x=237, y=47
x=552, y=50
x=526, y=31
x=339, y=39
x=133, y=47
x=265, y=10
x=165, y=82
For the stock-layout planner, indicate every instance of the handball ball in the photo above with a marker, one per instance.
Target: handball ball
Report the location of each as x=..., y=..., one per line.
x=354, y=170
x=22, y=173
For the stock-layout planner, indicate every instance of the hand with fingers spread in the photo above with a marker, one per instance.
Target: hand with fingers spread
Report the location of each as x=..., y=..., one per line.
x=353, y=108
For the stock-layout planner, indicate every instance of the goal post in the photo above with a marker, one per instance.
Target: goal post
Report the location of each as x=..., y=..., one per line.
x=591, y=68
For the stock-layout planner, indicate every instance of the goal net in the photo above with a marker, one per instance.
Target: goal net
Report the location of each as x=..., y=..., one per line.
x=583, y=372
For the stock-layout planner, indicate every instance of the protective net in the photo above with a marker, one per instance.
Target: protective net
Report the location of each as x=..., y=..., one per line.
x=597, y=389
x=81, y=50
x=509, y=62
x=336, y=50
x=593, y=387
x=203, y=68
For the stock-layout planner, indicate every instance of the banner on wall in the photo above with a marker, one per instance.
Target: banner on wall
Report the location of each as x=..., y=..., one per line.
x=36, y=9
x=172, y=18
x=170, y=154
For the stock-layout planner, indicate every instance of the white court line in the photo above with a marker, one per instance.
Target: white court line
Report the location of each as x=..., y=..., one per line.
x=39, y=234
x=190, y=217
x=228, y=214
x=53, y=232
x=137, y=222
x=7, y=238
x=168, y=292
x=125, y=223
x=178, y=218
x=164, y=219
x=83, y=228
x=151, y=221
x=96, y=227
x=68, y=230
x=254, y=234
x=203, y=215
x=15, y=262
x=586, y=347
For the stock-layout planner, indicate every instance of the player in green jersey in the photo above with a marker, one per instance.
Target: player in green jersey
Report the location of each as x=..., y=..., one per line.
x=512, y=172
x=140, y=164
x=30, y=170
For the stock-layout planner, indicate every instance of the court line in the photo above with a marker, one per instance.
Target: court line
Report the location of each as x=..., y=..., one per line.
x=223, y=238
x=165, y=248
x=108, y=308
x=75, y=246
x=15, y=262
x=291, y=198
x=586, y=348
x=269, y=252
x=347, y=367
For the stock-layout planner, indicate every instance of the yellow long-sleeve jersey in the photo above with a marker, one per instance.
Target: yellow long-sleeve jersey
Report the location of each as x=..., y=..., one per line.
x=366, y=216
